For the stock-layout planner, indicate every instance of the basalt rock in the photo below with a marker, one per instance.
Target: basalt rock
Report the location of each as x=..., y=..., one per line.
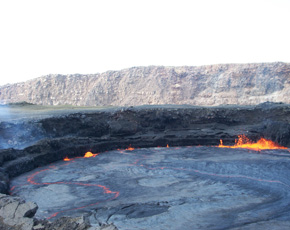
x=4, y=181
x=15, y=213
x=64, y=223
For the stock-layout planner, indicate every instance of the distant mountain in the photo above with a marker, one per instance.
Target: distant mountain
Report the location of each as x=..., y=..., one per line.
x=202, y=85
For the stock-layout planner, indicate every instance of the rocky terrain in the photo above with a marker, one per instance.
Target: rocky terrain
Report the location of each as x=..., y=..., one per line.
x=44, y=136
x=242, y=84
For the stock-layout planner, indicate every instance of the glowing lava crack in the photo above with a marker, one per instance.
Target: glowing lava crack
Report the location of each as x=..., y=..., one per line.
x=31, y=180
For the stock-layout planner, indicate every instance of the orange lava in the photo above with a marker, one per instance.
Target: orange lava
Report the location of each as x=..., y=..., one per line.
x=130, y=148
x=66, y=159
x=246, y=143
x=89, y=154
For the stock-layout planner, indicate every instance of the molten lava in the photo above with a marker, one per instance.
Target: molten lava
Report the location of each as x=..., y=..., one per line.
x=246, y=143
x=130, y=148
x=66, y=159
x=89, y=154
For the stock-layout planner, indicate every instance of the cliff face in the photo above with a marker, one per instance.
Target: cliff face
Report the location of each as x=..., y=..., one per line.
x=204, y=85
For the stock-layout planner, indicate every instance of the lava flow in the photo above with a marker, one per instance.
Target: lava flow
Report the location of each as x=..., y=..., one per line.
x=66, y=159
x=87, y=155
x=246, y=143
x=130, y=148
x=90, y=154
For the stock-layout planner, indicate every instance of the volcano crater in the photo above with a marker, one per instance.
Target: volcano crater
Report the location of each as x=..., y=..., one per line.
x=183, y=188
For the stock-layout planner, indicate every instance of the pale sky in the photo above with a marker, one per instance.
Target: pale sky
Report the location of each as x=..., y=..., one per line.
x=40, y=37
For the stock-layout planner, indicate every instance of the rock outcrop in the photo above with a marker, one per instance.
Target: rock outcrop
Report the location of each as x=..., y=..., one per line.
x=15, y=213
x=18, y=214
x=244, y=84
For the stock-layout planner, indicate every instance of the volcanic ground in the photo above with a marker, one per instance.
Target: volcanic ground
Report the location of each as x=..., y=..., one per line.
x=166, y=188
x=149, y=187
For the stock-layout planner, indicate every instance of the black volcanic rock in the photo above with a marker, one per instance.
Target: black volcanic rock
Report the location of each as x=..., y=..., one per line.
x=69, y=135
x=4, y=182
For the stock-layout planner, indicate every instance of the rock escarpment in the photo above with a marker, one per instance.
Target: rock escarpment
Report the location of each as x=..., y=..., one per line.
x=244, y=84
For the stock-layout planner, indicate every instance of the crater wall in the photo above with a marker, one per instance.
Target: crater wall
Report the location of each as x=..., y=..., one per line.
x=242, y=84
